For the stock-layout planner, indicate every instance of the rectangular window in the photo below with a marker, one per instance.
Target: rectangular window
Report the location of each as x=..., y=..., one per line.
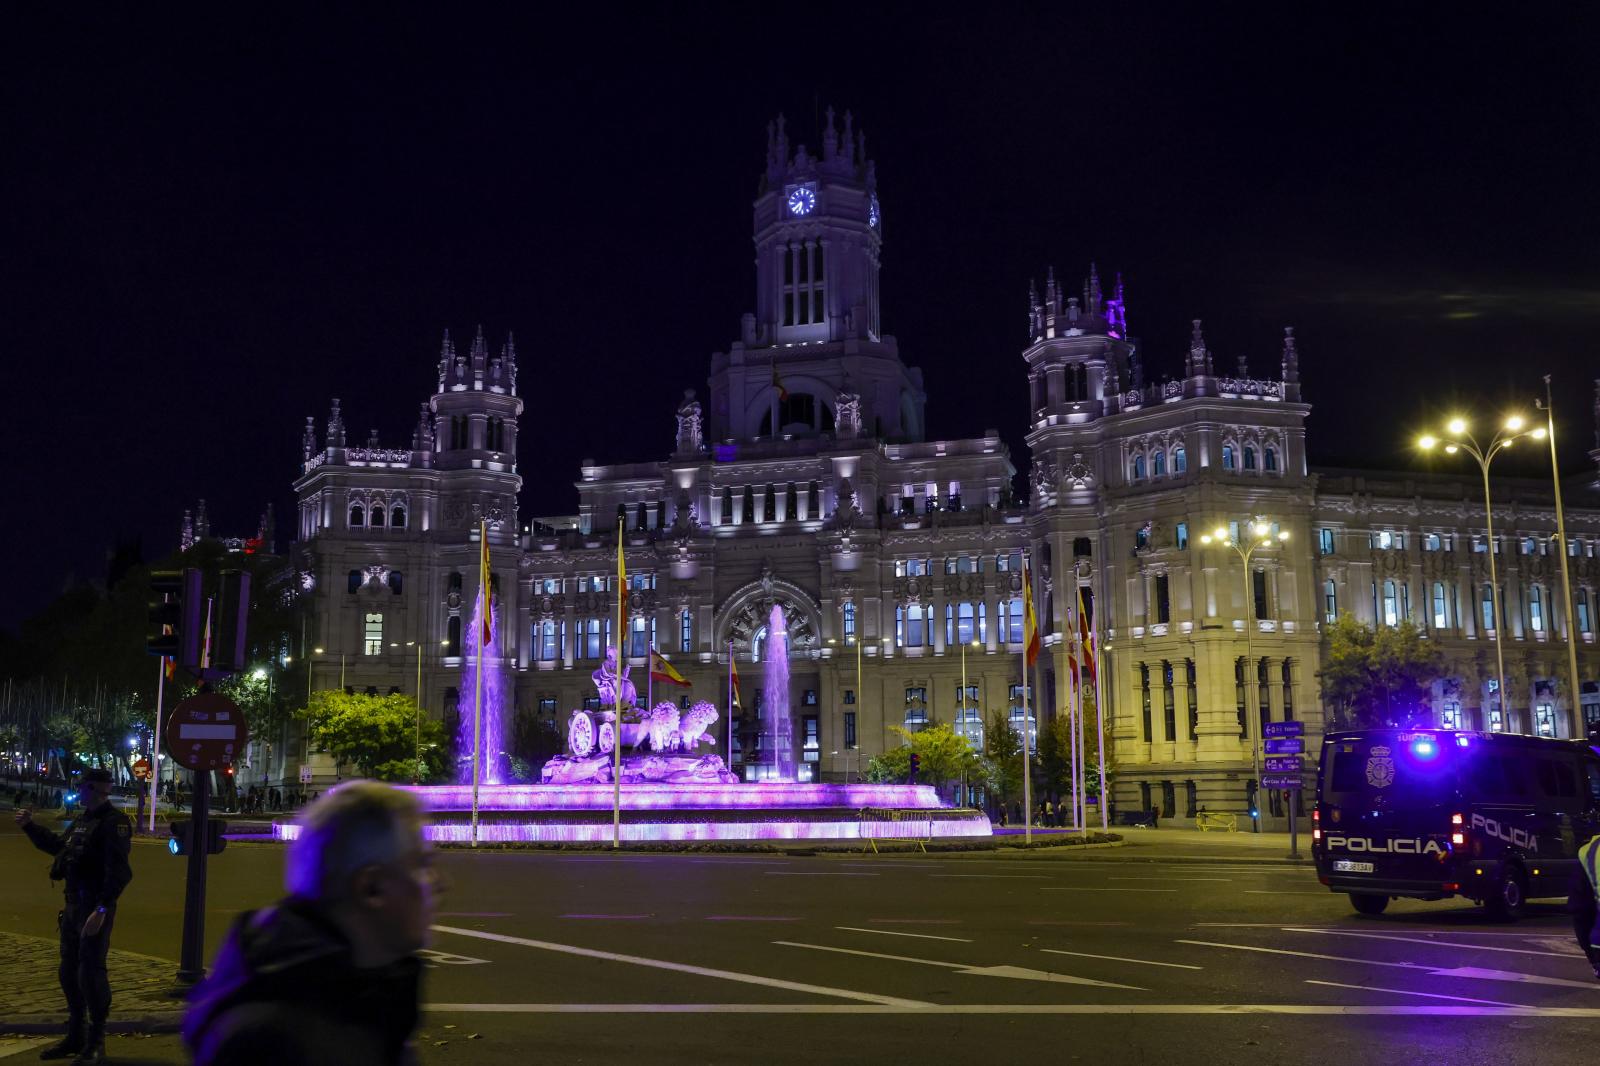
x=1144, y=700
x=1580, y=606
x=1163, y=600
x=1182, y=535
x=685, y=631
x=966, y=623
x=1431, y=542
x=811, y=745
x=1258, y=586
x=1450, y=714
x=1194, y=700
x=1325, y=541
x=849, y=729
x=372, y=634
x=589, y=638
x=849, y=697
x=1330, y=601
x=1441, y=616
x=1536, y=607
x=1013, y=621
x=849, y=624
x=547, y=705
x=1169, y=706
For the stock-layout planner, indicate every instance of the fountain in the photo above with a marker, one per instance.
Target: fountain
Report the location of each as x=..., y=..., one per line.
x=494, y=702
x=674, y=787
x=775, y=719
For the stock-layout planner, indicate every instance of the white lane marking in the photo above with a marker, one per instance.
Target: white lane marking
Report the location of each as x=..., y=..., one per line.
x=1434, y=943
x=1286, y=892
x=445, y=958
x=1086, y=888
x=1020, y=972
x=1471, y=973
x=1119, y=958
x=1034, y=877
x=1409, y=992
x=813, y=873
x=1298, y=954
x=678, y=967
x=1407, y=1010
x=1149, y=877
x=891, y=932
x=895, y=862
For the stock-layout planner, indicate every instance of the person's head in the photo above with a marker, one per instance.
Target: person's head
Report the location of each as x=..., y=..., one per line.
x=361, y=856
x=94, y=788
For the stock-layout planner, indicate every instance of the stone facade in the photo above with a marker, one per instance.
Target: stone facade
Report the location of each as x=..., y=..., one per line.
x=807, y=479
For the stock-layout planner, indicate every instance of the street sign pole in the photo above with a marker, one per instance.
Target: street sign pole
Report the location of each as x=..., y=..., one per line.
x=191, y=957
x=203, y=734
x=1294, y=834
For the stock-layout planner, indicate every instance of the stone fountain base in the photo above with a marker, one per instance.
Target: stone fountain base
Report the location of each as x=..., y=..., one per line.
x=637, y=769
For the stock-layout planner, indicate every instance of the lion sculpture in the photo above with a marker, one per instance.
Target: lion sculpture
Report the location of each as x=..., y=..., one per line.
x=696, y=720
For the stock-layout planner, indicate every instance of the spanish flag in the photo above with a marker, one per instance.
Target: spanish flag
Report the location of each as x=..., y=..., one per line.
x=484, y=583
x=622, y=594
x=661, y=670
x=733, y=675
x=1086, y=639
x=1030, y=625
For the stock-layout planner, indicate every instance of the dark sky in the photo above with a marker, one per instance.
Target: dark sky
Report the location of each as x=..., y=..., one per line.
x=215, y=222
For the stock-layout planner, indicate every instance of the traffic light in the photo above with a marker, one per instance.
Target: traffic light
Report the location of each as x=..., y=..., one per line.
x=916, y=764
x=175, y=626
x=228, y=646
x=181, y=841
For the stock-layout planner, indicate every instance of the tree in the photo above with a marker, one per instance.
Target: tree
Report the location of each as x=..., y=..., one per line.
x=378, y=734
x=1376, y=676
x=534, y=741
x=1001, y=764
x=943, y=756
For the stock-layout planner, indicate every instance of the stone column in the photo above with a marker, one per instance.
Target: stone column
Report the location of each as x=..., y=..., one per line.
x=1180, y=695
x=1210, y=574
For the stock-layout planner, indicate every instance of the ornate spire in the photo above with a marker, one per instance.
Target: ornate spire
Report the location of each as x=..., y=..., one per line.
x=849, y=137
x=422, y=436
x=202, y=522
x=1052, y=295
x=1117, y=310
x=1199, y=362
x=1094, y=299
x=508, y=356
x=1244, y=367
x=783, y=142
x=186, y=536
x=1291, y=358
x=479, y=354
x=335, y=427
x=830, y=138
x=447, y=359
x=308, y=440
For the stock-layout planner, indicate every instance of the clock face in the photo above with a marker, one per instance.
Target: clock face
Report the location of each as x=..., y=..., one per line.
x=802, y=200
x=874, y=215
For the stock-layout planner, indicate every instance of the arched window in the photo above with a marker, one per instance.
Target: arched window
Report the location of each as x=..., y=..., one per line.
x=1227, y=457
x=1249, y=458
x=1180, y=460
x=1158, y=463
x=1138, y=468
x=377, y=515
x=358, y=515
x=452, y=635
x=1272, y=458
x=353, y=582
x=396, y=582
x=758, y=643
x=397, y=517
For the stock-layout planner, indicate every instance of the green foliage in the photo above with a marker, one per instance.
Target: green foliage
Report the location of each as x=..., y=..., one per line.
x=1001, y=765
x=1053, y=762
x=378, y=734
x=534, y=740
x=943, y=755
x=1374, y=676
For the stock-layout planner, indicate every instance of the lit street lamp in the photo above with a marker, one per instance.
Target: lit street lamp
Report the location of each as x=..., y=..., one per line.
x=1457, y=438
x=1260, y=536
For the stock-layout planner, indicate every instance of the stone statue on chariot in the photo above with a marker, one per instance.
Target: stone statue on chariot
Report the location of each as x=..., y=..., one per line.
x=674, y=738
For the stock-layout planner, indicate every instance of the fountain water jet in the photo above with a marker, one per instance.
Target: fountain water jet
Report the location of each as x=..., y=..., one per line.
x=494, y=701
x=775, y=720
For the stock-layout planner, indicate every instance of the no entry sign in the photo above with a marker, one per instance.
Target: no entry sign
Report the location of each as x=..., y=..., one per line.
x=204, y=731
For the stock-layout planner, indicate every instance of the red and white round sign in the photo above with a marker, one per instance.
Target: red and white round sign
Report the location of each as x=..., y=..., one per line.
x=204, y=731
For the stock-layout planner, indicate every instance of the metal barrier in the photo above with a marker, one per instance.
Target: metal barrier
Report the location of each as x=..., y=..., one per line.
x=1206, y=821
x=879, y=823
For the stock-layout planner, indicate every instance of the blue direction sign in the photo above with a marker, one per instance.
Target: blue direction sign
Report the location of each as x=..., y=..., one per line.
x=1284, y=764
x=1291, y=781
x=1285, y=746
x=1284, y=729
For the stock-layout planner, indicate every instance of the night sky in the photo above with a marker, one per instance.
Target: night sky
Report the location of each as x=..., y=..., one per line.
x=216, y=222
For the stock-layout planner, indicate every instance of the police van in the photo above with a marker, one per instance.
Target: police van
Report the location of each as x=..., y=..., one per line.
x=1430, y=814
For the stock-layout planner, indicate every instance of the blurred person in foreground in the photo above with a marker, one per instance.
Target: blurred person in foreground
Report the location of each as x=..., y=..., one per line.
x=328, y=975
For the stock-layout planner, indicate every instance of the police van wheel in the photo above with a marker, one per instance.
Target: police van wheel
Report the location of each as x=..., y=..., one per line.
x=1509, y=895
x=1368, y=904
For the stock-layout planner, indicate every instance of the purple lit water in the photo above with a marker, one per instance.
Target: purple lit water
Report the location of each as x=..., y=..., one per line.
x=775, y=722
x=494, y=701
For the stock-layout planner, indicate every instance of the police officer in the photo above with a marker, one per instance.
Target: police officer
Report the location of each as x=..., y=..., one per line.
x=92, y=857
x=1582, y=902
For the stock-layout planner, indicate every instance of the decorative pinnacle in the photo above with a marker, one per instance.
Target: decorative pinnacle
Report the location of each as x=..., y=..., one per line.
x=1291, y=356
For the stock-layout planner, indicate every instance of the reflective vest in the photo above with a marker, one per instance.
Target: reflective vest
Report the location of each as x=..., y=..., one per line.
x=1588, y=857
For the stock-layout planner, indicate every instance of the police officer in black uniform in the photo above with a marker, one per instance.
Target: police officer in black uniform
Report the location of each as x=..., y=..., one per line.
x=92, y=857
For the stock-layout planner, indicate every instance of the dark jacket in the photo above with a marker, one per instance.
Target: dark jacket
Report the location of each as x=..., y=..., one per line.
x=91, y=854
x=283, y=989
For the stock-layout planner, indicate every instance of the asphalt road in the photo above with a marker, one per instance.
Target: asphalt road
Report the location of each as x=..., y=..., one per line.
x=1117, y=956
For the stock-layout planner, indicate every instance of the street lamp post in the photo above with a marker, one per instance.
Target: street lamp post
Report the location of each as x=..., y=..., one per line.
x=1458, y=438
x=1575, y=720
x=1260, y=537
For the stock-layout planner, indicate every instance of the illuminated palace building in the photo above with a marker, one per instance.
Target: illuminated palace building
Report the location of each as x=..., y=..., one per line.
x=806, y=478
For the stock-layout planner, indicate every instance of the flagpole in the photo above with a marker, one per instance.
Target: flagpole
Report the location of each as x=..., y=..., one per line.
x=477, y=681
x=1079, y=799
x=616, y=735
x=1027, y=705
x=155, y=736
x=1100, y=720
x=649, y=677
x=730, y=706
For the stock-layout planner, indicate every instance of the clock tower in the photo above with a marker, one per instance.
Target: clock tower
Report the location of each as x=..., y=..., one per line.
x=816, y=332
